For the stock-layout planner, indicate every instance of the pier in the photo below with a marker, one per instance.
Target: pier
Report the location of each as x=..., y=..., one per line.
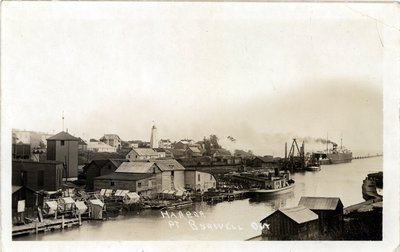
x=367, y=156
x=46, y=225
x=230, y=196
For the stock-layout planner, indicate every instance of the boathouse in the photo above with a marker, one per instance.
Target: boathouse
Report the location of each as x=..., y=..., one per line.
x=328, y=209
x=98, y=168
x=296, y=223
x=24, y=203
x=135, y=182
x=46, y=175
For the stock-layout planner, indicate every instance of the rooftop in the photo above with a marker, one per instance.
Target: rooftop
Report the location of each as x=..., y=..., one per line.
x=135, y=167
x=194, y=149
x=63, y=136
x=320, y=203
x=169, y=165
x=145, y=152
x=125, y=176
x=299, y=214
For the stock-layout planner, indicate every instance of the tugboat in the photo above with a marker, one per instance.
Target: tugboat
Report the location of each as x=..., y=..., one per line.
x=312, y=162
x=372, y=187
x=277, y=183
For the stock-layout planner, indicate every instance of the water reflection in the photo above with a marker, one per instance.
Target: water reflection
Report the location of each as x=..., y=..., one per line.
x=272, y=201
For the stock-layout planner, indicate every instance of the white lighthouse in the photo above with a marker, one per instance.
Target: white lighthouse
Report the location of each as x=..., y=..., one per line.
x=153, y=137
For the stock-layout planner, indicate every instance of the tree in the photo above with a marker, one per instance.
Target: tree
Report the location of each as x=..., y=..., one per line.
x=214, y=142
x=42, y=145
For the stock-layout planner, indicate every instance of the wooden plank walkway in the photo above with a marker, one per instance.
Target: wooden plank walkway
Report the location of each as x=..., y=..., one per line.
x=46, y=225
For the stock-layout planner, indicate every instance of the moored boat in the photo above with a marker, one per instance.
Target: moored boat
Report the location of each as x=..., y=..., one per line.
x=372, y=187
x=313, y=168
x=285, y=189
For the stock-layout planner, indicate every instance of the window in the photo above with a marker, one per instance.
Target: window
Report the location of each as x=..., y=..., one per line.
x=24, y=178
x=62, y=142
x=129, y=156
x=210, y=177
x=139, y=185
x=112, y=183
x=198, y=177
x=172, y=173
x=40, y=177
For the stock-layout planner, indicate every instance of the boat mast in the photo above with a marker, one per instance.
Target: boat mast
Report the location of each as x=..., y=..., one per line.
x=327, y=141
x=340, y=141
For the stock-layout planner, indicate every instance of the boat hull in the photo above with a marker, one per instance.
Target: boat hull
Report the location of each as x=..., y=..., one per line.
x=338, y=158
x=313, y=168
x=282, y=190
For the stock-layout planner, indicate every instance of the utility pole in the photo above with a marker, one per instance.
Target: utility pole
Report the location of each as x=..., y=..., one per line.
x=63, y=120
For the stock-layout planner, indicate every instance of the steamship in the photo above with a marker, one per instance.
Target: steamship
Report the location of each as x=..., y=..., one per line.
x=333, y=156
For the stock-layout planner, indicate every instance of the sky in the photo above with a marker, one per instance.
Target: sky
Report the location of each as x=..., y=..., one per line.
x=261, y=73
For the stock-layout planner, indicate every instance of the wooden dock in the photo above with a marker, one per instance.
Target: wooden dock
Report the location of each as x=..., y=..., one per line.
x=226, y=197
x=365, y=206
x=46, y=225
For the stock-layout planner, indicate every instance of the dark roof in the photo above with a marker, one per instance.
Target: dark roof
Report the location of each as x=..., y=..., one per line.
x=44, y=162
x=101, y=162
x=159, y=149
x=118, y=162
x=299, y=214
x=81, y=141
x=63, y=136
x=177, y=152
x=125, y=176
x=221, y=152
x=265, y=159
x=16, y=188
x=320, y=203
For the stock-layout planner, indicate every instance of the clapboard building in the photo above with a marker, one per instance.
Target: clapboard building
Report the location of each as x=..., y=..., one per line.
x=46, y=175
x=63, y=147
x=295, y=223
x=329, y=211
x=98, y=168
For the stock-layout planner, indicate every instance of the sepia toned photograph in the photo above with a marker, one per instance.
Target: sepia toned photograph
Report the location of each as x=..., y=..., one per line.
x=250, y=122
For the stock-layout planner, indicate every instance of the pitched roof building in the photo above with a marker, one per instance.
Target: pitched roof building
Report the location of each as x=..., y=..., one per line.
x=329, y=211
x=99, y=168
x=63, y=147
x=142, y=154
x=295, y=223
x=100, y=147
x=112, y=140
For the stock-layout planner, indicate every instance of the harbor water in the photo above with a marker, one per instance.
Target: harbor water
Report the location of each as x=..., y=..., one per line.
x=234, y=220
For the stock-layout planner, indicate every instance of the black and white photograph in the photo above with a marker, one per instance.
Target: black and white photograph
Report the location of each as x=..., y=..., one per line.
x=255, y=124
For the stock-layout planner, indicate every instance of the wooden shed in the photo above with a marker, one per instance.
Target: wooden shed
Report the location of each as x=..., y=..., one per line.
x=296, y=223
x=96, y=208
x=328, y=209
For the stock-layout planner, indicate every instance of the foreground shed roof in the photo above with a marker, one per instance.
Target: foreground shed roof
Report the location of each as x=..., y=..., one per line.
x=320, y=203
x=299, y=214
